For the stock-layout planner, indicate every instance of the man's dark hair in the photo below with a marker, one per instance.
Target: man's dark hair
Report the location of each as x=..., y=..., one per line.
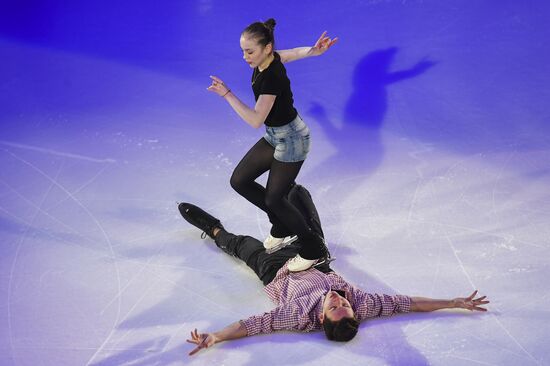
x=262, y=32
x=342, y=330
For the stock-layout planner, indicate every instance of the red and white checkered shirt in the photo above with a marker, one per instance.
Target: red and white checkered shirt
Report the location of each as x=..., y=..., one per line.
x=299, y=298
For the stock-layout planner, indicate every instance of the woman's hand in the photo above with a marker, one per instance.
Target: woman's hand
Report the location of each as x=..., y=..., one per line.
x=322, y=45
x=202, y=340
x=470, y=303
x=218, y=86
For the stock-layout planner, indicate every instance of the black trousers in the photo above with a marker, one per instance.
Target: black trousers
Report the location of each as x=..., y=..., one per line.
x=252, y=252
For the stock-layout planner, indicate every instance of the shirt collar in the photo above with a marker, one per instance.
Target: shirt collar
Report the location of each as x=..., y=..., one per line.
x=341, y=293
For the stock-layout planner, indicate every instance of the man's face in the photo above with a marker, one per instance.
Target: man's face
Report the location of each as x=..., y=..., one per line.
x=336, y=307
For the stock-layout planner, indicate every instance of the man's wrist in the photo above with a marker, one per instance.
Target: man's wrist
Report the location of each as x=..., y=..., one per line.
x=217, y=337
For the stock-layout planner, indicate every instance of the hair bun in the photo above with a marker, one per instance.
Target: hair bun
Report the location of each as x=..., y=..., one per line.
x=270, y=24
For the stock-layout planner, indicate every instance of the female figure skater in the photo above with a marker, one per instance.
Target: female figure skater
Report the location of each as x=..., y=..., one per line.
x=284, y=147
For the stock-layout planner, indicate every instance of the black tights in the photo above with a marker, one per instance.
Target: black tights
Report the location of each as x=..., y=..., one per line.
x=272, y=199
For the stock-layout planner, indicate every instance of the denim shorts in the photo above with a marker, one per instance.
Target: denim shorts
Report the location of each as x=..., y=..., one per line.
x=291, y=141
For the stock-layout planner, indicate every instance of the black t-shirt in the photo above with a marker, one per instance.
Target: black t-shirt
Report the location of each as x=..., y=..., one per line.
x=273, y=81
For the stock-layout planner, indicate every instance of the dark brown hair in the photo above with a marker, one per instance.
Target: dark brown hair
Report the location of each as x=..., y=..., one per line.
x=262, y=32
x=342, y=330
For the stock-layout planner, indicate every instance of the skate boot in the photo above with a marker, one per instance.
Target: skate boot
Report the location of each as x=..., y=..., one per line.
x=273, y=244
x=298, y=263
x=326, y=258
x=199, y=218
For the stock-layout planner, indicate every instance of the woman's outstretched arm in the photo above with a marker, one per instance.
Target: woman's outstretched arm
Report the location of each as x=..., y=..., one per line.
x=256, y=116
x=320, y=47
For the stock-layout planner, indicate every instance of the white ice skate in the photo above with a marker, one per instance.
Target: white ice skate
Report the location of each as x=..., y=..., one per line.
x=273, y=244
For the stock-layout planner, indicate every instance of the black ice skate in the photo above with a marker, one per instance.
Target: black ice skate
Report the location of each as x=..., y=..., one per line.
x=199, y=218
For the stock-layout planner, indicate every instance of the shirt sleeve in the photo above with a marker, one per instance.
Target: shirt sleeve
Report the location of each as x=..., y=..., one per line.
x=269, y=322
x=271, y=84
x=281, y=318
x=375, y=305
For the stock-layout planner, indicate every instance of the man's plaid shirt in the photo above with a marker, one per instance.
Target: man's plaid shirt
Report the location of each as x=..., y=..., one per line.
x=299, y=297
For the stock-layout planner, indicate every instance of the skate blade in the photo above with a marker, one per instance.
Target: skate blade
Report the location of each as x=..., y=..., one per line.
x=282, y=245
x=324, y=261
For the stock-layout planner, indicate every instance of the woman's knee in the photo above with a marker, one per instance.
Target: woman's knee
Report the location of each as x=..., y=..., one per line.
x=236, y=181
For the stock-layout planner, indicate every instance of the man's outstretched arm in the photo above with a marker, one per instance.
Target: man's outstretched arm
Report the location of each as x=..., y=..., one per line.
x=280, y=318
x=205, y=340
x=420, y=304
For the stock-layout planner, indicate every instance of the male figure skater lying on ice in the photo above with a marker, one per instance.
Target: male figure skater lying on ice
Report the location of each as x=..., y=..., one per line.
x=307, y=299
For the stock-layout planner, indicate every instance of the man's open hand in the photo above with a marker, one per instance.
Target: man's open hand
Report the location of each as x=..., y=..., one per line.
x=202, y=340
x=471, y=303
